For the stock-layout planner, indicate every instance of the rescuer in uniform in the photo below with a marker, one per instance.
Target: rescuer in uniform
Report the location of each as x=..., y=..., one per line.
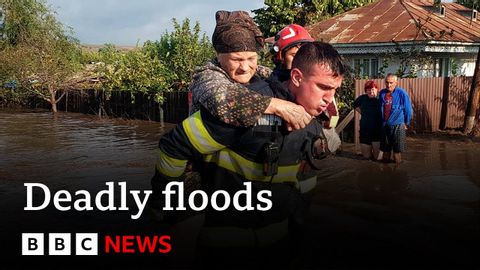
x=266, y=155
x=287, y=42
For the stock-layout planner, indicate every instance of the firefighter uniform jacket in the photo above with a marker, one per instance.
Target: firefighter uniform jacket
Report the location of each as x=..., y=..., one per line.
x=231, y=155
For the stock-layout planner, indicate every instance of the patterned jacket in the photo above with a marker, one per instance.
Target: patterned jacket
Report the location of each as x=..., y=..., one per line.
x=225, y=99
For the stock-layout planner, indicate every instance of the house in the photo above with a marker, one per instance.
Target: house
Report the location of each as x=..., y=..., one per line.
x=412, y=38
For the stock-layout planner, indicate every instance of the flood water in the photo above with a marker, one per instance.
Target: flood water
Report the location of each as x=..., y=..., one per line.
x=424, y=213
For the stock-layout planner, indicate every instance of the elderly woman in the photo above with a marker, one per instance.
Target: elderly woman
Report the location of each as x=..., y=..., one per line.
x=220, y=86
x=368, y=105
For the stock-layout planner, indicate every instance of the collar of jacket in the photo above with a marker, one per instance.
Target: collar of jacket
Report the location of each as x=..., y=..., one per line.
x=280, y=89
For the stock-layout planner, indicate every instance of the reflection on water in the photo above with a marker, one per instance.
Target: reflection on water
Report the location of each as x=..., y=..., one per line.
x=69, y=148
x=384, y=215
x=71, y=152
x=363, y=214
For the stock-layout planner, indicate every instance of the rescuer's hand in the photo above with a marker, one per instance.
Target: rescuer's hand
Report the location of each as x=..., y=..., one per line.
x=294, y=115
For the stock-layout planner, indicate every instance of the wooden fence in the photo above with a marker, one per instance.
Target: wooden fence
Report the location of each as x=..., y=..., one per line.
x=438, y=103
x=126, y=105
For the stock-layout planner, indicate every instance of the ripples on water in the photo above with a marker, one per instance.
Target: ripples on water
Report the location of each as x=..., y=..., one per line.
x=70, y=146
x=360, y=208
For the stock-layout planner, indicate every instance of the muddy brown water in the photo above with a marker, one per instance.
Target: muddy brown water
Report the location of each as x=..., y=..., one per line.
x=424, y=213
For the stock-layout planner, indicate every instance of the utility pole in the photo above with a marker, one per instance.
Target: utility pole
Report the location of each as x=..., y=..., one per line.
x=473, y=99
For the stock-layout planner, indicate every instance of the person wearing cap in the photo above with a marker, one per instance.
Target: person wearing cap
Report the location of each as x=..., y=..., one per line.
x=368, y=105
x=266, y=156
x=220, y=86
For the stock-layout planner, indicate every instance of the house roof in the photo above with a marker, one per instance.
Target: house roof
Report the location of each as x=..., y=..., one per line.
x=399, y=21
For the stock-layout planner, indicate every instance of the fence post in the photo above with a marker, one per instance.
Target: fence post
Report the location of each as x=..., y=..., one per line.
x=445, y=99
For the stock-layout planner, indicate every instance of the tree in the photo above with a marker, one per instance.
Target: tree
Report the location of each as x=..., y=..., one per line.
x=474, y=95
x=279, y=13
x=473, y=99
x=158, y=66
x=36, y=50
x=136, y=71
x=181, y=51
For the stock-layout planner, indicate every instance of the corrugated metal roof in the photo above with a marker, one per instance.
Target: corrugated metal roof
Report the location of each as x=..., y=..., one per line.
x=399, y=21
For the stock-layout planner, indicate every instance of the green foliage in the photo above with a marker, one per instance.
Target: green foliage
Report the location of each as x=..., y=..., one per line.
x=181, y=51
x=41, y=56
x=164, y=65
x=109, y=54
x=346, y=94
x=21, y=19
x=134, y=71
x=278, y=13
x=475, y=4
x=8, y=96
x=265, y=58
x=455, y=67
x=385, y=64
x=36, y=50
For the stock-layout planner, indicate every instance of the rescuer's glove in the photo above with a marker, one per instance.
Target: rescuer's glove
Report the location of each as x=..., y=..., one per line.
x=332, y=138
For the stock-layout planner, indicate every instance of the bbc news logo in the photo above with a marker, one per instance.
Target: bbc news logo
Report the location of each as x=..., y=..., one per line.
x=88, y=243
x=59, y=244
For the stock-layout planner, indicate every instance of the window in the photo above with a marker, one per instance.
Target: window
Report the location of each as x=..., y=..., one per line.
x=364, y=67
x=442, y=67
x=442, y=11
x=474, y=15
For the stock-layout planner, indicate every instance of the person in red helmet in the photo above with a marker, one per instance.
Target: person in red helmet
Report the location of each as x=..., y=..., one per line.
x=287, y=42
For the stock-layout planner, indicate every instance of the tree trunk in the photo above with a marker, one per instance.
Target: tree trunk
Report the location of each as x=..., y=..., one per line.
x=53, y=101
x=162, y=123
x=473, y=99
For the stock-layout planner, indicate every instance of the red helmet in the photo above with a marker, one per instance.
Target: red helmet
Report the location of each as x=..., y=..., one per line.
x=289, y=36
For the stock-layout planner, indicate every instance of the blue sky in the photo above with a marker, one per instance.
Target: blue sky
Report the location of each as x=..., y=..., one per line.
x=124, y=22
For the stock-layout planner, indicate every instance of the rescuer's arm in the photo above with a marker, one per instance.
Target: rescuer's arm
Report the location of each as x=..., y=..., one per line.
x=235, y=104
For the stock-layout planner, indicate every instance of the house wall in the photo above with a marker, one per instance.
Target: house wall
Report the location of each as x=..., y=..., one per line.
x=466, y=65
x=393, y=65
x=425, y=70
